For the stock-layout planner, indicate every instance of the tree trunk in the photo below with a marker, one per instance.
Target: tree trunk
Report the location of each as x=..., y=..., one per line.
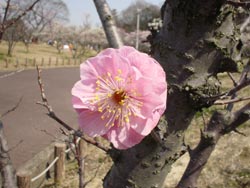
x=199, y=39
x=108, y=23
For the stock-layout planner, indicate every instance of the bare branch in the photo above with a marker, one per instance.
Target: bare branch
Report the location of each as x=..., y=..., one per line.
x=240, y=133
x=9, y=23
x=15, y=146
x=243, y=82
x=239, y=117
x=108, y=24
x=221, y=123
x=52, y=115
x=12, y=109
x=223, y=102
x=232, y=78
x=7, y=172
x=6, y=11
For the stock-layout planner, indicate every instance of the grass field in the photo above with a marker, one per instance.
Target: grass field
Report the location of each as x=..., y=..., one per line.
x=40, y=54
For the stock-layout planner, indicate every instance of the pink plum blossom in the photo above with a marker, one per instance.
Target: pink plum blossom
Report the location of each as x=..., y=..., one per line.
x=121, y=96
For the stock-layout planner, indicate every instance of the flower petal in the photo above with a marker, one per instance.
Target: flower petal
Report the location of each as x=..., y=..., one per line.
x=82, y=95
x=107, y=63
x=126, y=50
x=151, y=96
x=91, y=123
x=123, y=137
x=145, y=126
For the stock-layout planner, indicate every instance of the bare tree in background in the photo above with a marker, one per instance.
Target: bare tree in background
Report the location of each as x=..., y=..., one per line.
x=33, y=19
x=9, y=18
x=198, y=41
x=14, y=34
x=42, y=15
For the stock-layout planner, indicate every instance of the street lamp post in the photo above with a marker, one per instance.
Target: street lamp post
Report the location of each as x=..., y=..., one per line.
x=137, y=29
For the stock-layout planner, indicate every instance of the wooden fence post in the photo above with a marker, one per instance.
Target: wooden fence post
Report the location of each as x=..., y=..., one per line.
x=34, y=62
x=26, y=62
x=56, y=61
x=49, y=61
x=17, y=63
x=42, y=62
x=6, y=63
x=60, y=164
x=69, y=61
x=23, y=180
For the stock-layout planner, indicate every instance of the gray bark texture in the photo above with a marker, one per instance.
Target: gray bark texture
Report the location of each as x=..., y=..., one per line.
x=7, y=172
x=199, y=39
x=108, y=23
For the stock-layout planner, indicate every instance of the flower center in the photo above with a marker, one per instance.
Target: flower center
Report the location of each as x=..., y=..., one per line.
x=113, y=101
x=119, y=97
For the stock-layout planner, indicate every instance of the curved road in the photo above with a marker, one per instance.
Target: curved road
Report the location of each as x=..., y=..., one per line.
x=24, y=126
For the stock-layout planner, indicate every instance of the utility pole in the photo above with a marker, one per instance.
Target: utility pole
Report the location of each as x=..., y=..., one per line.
x=137, y=29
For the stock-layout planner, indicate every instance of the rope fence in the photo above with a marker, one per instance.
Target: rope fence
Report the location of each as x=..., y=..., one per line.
x=25, y=179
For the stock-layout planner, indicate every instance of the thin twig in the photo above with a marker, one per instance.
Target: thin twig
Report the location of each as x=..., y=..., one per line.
x=232, y=78
x=243, y=82
x=52, y=115
x=221, y=102
x=8, y=23
x=240, y=133
x=12, y=109
x=15, y=146
x=80, y=161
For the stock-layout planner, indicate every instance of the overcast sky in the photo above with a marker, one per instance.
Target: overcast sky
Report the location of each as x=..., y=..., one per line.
x=79, y=8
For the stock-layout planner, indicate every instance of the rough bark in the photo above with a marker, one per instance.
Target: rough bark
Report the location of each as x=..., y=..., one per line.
x=7, y=172
x=199, y=39
x=108, y=23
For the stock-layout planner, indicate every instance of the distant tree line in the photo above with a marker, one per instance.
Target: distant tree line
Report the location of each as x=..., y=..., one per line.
x=42, y=21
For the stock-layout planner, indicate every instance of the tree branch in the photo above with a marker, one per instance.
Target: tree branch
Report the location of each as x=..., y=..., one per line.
x=234, y=100
x=243, y=82
x=221, y=123
x=12, y=109
x=108, y=24
x=13, y=21
x=7, y=172
x=52, y=115
x=240, y=117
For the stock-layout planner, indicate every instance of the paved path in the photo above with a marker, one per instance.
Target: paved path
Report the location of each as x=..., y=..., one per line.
x=29, y=119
